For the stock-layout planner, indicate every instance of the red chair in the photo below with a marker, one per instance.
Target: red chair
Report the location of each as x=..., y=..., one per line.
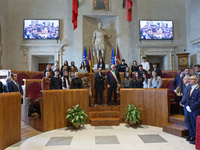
x=21, y=76
x=34, y=90
x=197, y=142
x=37, y=76
x=166, y=75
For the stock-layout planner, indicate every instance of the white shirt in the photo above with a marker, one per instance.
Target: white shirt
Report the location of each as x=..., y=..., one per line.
x=192, y=88
x=145, y=65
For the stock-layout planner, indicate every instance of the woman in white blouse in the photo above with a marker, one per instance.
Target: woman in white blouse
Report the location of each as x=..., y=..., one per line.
x=145, y=82
x=65, y=80
x=155, y=81
x=82, y=68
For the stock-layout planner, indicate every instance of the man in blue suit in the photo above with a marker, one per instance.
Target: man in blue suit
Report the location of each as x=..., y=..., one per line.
x=113, y=83
x=186, y=93
x=14, y=85
x=193, y=106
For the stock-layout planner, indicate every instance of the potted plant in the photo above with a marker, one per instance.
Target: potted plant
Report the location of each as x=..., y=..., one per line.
x=76, y=116
x=133, y=114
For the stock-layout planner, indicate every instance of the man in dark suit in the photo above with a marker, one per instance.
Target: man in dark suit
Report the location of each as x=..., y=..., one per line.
x=76, y=82
x=181, y=84
x=113, y=83
x=99, y=86
x=141, y=71
x=14, y=85
x=56, y=82
x=122, y=66
x=197, y=71
x=186, y=92
x=193, y=106
x=87, y=65
x=177, y=80
x=1, y=87
x=157, y=70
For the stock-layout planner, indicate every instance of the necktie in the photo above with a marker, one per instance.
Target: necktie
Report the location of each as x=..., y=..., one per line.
x=17, y=86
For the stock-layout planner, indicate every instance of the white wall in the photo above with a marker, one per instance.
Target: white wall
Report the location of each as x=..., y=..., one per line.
x=125, y=34
x=193, y=28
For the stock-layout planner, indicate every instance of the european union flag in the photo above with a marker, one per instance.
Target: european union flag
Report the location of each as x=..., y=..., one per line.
x=85, y=54
x=112, y=57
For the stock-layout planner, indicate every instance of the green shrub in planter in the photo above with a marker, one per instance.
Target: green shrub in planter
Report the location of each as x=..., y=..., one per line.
x=133, y=114
x=76, y=116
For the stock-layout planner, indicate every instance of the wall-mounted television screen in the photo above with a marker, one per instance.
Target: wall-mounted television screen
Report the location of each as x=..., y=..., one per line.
x=156, y=30
x=41, y=29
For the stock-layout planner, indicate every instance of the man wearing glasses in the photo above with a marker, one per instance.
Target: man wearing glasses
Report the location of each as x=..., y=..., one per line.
x=193, y=107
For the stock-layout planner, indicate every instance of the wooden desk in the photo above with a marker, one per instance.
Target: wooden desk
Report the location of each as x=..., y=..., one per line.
x=154, y=103
x=10, y=118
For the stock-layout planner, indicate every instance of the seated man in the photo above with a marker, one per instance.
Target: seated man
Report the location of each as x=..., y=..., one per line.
x=76, y=82
x=14, y=85
x=122, y=66
x=141, y=71
x=56, y=82
x=87, y=85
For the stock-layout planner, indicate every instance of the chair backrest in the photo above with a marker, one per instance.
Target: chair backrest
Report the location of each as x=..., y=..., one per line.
x=34, y=90
x=170, y=86
x=21, y=76
x=37, y=76
x=166, y=75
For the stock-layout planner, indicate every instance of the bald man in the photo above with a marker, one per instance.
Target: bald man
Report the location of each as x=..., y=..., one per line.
x=113, y=83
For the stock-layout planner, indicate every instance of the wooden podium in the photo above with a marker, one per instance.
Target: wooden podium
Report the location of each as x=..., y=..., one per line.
x=182, y=60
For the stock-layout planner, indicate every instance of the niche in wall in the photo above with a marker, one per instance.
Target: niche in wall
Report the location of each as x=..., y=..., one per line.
x=110, y=24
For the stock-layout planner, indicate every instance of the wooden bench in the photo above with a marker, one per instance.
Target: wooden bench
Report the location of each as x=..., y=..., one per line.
x=53, y=107
x=10, y=118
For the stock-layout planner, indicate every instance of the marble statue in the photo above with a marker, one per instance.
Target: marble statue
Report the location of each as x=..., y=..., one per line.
x=98, y=42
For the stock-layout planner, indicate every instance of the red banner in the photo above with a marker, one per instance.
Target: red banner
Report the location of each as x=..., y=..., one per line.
x=129, y=10
x=74, y=13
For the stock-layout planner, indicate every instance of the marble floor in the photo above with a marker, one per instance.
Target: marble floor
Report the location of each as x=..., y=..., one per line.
x=89, y=137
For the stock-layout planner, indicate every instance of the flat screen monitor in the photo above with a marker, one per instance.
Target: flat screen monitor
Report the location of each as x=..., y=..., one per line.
x=41, y=29
x=156, y=30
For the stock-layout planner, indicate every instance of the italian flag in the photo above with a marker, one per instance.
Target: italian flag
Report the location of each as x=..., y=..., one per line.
x=90, y=61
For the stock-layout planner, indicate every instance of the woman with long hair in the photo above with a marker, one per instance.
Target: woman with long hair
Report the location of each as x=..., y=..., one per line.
x=155, y=81
x=137, y=81
x=82, y=68
x=134, y=67
x=101, y=64
x=145, y=80
x=65, y=80
x=65, y=64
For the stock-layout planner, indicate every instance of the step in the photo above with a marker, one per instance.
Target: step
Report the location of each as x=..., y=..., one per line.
x=104, y=121
x=178, y=120
x=105, y=108
x=104, y=114
x=175, y=129
x=105, y=100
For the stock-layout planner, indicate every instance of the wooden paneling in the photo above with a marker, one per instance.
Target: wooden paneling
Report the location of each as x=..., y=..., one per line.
x=54, y=105
x=10, y=118
x=162, y=110
x=130, y=96
x=149, y=107
x=154, y=103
